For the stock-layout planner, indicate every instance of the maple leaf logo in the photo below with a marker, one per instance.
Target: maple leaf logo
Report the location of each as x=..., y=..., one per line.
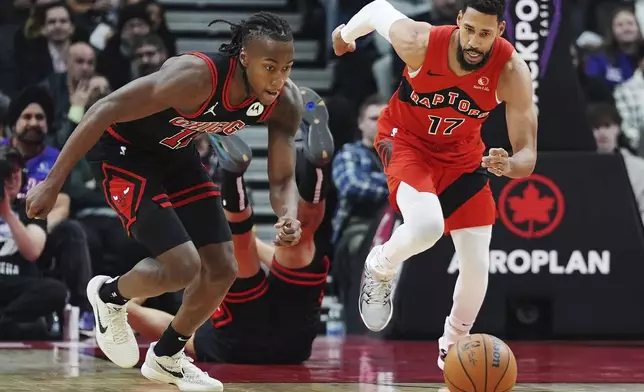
x=530, y=206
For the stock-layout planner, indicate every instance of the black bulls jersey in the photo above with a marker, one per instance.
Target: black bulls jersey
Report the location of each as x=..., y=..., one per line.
x=171, y=131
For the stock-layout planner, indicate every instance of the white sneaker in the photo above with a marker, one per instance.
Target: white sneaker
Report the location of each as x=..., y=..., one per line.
x=178, y=370
x=450, y=336
x=376, y=295
x=443, y=348
x=113, y=334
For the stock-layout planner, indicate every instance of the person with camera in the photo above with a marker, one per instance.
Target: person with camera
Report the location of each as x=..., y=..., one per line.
x=66, y=256
x=26, y=297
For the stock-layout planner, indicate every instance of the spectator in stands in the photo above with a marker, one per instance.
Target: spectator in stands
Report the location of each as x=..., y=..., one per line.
x=629, y=98
x=158, y=24
x=594, y=89
x=40, y=56
x=26, y=297
x=606, y=124
x=71, y=91
x=66, y=253
x=160, y=27
x=16, y=26
x=115, y=61
x=622, y=51
x=112, y=252
x=90, y=14
x=149, y=55
x=33, y=24
x=358, y=174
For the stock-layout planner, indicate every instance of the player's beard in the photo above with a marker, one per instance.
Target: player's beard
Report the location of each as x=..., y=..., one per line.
x=465, y=65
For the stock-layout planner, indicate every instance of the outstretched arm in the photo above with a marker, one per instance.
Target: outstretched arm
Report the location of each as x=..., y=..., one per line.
x=408, y=37
x=183, y=82
x=515, y=89
x=282, y=127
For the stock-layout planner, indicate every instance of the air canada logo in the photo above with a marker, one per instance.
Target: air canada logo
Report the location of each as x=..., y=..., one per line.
x=531, y=207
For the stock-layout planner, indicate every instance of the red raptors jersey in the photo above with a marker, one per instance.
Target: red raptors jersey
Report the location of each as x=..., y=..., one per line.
x=442, y=113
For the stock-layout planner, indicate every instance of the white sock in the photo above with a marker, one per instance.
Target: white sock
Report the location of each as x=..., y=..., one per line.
x=455, y=330
x=423, y=226
x=473, y=253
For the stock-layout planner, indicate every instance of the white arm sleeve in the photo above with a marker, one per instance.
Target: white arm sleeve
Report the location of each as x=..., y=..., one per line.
x=378, y=15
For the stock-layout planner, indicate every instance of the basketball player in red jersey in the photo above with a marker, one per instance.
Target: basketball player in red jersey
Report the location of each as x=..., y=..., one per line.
x=430, y=143
x=153, y=178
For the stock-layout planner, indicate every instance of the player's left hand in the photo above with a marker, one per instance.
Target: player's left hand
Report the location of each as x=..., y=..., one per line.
x=497, y=162
x=289, y=232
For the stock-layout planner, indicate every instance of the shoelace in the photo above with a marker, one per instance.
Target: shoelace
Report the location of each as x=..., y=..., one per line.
x=117, y=319
x=378, y=291
x=191, y=373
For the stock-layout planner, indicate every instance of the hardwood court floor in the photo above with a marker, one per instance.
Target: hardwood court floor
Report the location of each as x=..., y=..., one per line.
x=355, y=365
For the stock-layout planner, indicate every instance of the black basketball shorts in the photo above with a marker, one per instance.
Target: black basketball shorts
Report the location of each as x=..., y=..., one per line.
x=266, y=319
x=161, y=202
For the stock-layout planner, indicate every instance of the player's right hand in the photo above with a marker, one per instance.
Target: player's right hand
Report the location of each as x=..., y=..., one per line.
x=339, y=46
x=41, y=199
x=290, y=232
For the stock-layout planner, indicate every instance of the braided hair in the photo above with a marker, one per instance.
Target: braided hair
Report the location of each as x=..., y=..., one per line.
x=260, y=25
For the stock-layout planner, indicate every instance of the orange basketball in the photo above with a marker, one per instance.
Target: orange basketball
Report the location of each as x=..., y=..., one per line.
x=480, y=363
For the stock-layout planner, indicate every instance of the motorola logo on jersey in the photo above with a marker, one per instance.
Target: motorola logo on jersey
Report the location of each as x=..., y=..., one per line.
x=532, y=27
x=255, y=109
x=226, y=127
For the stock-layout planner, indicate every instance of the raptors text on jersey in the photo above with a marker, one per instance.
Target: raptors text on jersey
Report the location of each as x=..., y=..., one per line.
x=440, y=112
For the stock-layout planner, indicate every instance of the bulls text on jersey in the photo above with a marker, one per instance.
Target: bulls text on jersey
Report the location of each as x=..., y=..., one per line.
x=190, y=130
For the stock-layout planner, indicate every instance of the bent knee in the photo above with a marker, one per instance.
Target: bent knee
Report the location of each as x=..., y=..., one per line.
x=218, y=263
x=296, y=256
x=427, y=230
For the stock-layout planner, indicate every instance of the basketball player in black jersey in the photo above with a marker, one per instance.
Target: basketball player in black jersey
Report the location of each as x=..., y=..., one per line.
x=153, y=178
x=266, y=318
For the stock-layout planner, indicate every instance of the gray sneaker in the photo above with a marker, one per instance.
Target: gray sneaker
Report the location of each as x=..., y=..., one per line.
x=376, y=295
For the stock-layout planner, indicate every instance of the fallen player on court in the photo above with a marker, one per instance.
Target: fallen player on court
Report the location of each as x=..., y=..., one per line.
x=265, y=318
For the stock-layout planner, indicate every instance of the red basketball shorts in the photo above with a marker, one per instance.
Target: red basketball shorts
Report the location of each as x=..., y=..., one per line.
x=465, y=195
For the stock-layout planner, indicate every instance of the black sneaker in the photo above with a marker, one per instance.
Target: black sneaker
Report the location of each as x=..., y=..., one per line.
x=317, y=140
x=233, y=154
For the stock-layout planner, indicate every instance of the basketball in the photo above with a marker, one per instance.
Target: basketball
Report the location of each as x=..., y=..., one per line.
x=480, y=363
